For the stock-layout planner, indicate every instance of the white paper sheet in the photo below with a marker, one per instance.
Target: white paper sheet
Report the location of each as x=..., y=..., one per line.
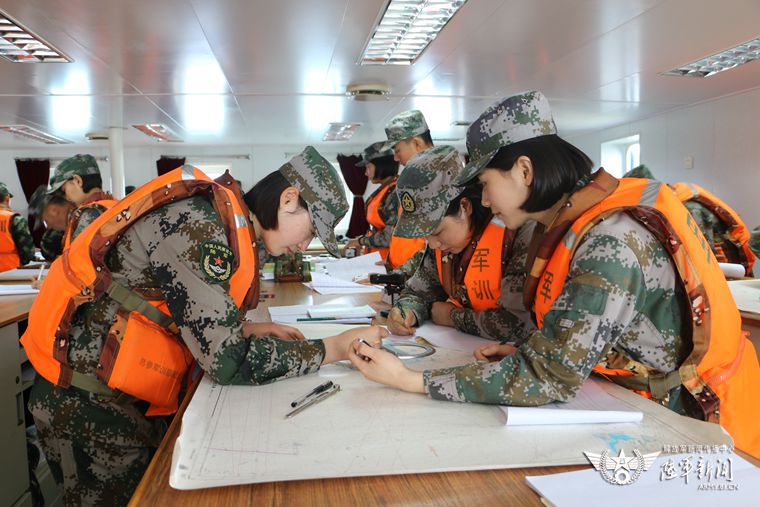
x=746, y=295
x=326, y=284
x=341, y=311
x=17, y=289
x=448, y=337
x=587, y=487
x=290, y=314
x=355, y=267
x=732, y=270
x=592, y=405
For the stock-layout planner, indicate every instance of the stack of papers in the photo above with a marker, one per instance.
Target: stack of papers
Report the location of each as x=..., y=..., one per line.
x=16, y=290
x=355, y=268
x=326, y=284
x=592, y=405
x=21, y=274
x=322, y=314
x=746, y=295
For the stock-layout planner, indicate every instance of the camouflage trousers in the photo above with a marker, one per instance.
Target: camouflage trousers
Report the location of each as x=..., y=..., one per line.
x=93, y=451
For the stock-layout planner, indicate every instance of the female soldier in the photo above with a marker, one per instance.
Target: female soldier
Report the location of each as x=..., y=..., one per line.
x=382, y=205
x=622, y=281
x=466, y=272
x=163, y=278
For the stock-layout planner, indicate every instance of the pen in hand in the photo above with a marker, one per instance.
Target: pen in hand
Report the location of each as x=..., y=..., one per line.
x=320, y=388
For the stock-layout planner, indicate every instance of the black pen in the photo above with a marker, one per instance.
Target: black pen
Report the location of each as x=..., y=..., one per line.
x=320, y=388
x=311, y=400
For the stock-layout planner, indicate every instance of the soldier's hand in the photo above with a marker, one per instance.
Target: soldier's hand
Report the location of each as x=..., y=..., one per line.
x=383, y=367
x=336, y=347
x=494, y=352
x=352, y=243
x=37, y=282
x=281, y=331
x=441, y=313
x=399, y=323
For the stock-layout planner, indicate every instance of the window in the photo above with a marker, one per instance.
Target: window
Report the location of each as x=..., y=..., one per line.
x=621, y=155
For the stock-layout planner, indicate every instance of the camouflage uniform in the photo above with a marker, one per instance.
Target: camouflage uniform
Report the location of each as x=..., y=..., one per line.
x=100, y=448
x=51, y=244
x=426, y=191
x=388, y=209
x=19, y=231
x=621, y=292
x=754, y=241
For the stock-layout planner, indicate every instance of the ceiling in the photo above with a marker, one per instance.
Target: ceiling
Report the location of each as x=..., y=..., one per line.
x=256, y=72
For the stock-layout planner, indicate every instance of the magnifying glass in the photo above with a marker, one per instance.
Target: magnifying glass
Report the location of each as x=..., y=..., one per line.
x=407, y=350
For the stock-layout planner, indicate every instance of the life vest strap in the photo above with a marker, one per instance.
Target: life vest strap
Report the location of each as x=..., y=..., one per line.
x=134, y=302
x=658, y=384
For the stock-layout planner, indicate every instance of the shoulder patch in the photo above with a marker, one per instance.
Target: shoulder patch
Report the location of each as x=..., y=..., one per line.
x=216, y=261
x=407, y=202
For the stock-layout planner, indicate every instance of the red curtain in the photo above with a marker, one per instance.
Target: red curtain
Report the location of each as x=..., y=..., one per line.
x=357, y=183
x=166, y=164
x=33, y=172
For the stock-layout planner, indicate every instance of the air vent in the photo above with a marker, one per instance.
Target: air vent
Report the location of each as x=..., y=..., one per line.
x=34, y=134
x=96, y=136
x=340, y=131
x=159, y=132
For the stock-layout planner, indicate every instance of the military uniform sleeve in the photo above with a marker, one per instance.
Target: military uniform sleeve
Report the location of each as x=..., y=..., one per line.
x=605, y=284
x=51, y=244
x=422, y=289
x=88, y=216
x=209, y=322
x=379, y=239
x=509, y=322
x=754, y=240
x=23, y=239
x=409, y=268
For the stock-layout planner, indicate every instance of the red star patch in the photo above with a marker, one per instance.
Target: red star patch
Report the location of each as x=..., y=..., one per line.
x=218, y=261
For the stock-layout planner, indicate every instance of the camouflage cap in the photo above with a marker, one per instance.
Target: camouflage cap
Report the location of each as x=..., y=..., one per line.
x=78, y=165
x=373, y=151
x=4, y=190
x=508, y=121
x=640, y=171
x=425, y=190
x=405, y=126
x=322, y=189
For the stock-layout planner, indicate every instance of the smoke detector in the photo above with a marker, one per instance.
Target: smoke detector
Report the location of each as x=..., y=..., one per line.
x=96, y=136
x=366, y=92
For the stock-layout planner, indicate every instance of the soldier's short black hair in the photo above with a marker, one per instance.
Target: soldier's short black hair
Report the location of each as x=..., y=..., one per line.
x=264, y=199
x=481, y=215
x=558, y=168
x=426, y=138
x=385, y=167
x=91, y=181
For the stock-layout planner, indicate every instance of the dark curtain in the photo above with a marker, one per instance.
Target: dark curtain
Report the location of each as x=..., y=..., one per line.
x=166, y=164
x=33, y=172
x=357, y=183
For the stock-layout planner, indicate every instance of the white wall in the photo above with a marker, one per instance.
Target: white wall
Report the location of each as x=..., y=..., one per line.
x=722, y=136
x=140, y=162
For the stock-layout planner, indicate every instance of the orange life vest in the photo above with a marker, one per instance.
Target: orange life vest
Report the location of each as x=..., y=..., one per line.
x=721, y=372
x=143, y=354
x=401, y=250
x=9, y=258
x=738, y=233
x=482, y=279
x=373, y=216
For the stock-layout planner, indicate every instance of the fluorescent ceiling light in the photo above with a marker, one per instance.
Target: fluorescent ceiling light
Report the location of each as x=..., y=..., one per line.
x=725, y=60
x=406, y=28
x=340, y=131
x=160, y=132
x=34, y=134
x=19, y=45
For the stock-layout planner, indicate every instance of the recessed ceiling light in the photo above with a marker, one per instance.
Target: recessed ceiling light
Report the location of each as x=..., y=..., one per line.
x=34, y=134
x=159, y=132
x=406, y=29
x=725, y=60
x=367, y=92
x=19, y=45
x=340, y=131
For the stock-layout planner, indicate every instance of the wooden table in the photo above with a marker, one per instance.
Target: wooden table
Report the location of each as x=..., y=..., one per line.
x=481, y=488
